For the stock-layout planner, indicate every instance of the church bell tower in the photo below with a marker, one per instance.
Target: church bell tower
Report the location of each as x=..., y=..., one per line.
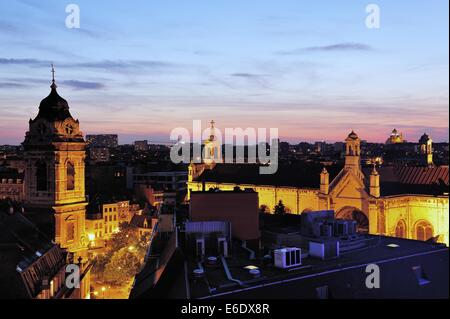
x=54, y=177
x=426, y=149
x=353, y=154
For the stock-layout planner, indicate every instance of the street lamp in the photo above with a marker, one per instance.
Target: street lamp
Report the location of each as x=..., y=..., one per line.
x=103, y=292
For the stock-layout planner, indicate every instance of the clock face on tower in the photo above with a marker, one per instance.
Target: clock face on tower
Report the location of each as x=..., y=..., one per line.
x=68, y=128
x=42, y=129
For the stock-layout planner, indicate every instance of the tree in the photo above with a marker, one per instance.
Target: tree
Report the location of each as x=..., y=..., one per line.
x=124, y=255
x=123, y=266
x=263, y=209
x=279, y=209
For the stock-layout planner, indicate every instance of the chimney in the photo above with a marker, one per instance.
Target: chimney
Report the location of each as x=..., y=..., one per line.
x=375, y=183
x=324, y=181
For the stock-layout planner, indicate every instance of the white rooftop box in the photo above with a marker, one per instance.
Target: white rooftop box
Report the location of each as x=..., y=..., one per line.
x=288, y=257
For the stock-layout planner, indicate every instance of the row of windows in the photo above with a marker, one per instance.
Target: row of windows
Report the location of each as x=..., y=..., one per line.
x=108, y=229
x=423, y=230
x=11, y=191
x=98, y=225
x=11, y=181
x=109, y=209
x=99, y=234
x=111, y=218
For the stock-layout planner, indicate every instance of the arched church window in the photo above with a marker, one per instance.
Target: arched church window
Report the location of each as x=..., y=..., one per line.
x=70, y=176
x=424, y=230
x=41, y=176
x=70, y=231
x=400, y=229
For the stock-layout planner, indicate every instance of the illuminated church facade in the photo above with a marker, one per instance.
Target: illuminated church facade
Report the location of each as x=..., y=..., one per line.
x=400, y=202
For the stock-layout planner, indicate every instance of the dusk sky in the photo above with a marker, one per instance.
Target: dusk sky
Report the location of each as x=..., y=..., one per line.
x=312, y=69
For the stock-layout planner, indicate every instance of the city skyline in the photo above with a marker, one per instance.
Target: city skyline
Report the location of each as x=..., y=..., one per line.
x=141, y=71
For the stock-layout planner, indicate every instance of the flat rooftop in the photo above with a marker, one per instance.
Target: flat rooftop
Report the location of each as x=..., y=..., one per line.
x=377, y=250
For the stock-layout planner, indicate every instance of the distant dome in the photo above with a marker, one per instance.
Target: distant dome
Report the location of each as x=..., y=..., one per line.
x=54, y=107
x=424, y=138
x=353, y=136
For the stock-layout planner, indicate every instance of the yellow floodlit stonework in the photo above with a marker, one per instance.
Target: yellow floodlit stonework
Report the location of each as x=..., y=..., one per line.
x=409, y=216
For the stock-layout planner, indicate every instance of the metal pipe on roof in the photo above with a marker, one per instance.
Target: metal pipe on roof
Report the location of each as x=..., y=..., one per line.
x=244, y=246
x=228, y=273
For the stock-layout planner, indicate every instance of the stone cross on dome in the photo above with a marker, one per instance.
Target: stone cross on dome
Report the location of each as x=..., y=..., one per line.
x=53, y=86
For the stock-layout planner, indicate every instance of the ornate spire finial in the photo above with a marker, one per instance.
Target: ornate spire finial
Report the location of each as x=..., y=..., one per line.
x=212, y=136
x=53, y=86
x=374, y=170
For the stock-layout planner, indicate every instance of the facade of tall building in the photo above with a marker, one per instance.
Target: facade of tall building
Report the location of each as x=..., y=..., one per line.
x=408, y=202
x=102, y=140
x=11, y=185
x=54, y=150
x=103, y=220
x=141, y=146
x=99, y=154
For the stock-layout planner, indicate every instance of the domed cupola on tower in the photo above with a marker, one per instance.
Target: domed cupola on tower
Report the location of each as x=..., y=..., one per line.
x=54, y=107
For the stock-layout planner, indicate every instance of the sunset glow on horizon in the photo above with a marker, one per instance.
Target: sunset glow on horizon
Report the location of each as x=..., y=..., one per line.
x=314, y=72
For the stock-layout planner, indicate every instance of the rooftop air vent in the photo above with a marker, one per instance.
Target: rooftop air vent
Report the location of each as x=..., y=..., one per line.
x=211, y=260
x=393, y=246
x=255, y=273
x=198, y=273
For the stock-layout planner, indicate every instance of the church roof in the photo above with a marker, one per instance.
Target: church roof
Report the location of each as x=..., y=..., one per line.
x=393, y=180
x=26, y=257
x=138, y=221
x=412, y=180
x=301, y=175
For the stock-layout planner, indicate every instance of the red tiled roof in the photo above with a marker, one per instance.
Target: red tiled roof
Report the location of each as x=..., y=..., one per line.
x=423, y=175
